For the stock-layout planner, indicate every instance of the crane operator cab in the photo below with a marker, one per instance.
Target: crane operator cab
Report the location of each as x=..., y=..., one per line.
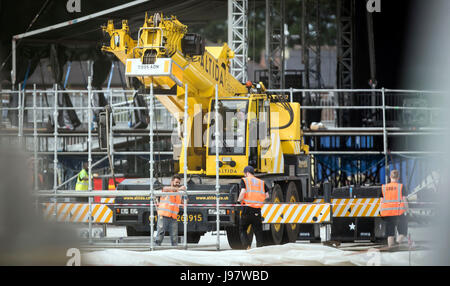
x=254, y=130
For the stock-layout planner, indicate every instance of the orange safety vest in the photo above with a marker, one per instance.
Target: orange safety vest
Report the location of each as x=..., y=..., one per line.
x=392, y=203
x=169, y=206
x=254, y=196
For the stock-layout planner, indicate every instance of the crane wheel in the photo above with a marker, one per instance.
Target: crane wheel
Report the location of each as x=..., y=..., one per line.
x=291, y=230
x=234, y=238
x=274, y=236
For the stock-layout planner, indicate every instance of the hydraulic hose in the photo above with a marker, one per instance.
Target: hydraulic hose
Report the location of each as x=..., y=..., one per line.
x=291, y=115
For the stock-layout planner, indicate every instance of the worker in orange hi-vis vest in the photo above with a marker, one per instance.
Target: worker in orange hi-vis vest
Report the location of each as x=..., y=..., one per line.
x=168, y=209
x=253, y=194
x=393, y=209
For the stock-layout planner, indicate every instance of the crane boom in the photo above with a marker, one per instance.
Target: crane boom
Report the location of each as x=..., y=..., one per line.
x=178, y=58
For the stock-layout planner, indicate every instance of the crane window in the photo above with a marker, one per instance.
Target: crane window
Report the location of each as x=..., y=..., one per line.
x=232, y=127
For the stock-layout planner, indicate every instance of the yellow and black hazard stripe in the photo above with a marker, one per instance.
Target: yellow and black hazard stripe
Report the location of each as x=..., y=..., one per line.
x=296, y=213
x=77, y=213
x=364, y=207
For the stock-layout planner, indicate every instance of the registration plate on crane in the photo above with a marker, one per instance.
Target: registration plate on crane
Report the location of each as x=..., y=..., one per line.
x=161, y=67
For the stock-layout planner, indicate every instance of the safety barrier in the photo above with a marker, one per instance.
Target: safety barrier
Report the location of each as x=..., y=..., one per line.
x=77, y=213
x=273, y=213
x=285, y=213
x=296, y=213
x=366, y=207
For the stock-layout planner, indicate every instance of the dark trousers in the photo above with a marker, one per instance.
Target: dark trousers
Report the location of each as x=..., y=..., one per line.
x=167, y=224
x=399, y=222
x=251, y=216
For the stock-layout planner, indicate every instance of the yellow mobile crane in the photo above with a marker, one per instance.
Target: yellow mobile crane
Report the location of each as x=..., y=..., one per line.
x=258, y=129
x=172, y=57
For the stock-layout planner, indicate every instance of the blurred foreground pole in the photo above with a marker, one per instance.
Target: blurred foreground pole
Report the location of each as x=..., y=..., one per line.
x=427, y=66
x=25, y=238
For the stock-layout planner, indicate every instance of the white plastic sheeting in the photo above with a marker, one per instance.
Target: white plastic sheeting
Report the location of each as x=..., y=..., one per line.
x=293, y=254
x=283, y=255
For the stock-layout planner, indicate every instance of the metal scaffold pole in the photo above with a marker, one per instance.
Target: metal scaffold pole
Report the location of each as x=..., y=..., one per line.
x=90, y=154
x=385, y=143
x=152, y=216
x=35, y=141
x=217, y=167
x=20, y=117
x=35, y=171
x=185, y=163
x=111, y=154
x=14, y=62
x=55, y=144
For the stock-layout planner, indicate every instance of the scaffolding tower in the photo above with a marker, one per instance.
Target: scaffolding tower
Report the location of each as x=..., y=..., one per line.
x=311, y=43
x=238, y=37
x=275, y=43
x=345, y=17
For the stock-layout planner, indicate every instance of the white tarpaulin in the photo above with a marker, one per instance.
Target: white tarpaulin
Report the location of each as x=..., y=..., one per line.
x=292, y=254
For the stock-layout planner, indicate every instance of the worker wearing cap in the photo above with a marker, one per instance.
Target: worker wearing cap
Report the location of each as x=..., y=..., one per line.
x=393, y=209
x=168, y=209
x=253, y=194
